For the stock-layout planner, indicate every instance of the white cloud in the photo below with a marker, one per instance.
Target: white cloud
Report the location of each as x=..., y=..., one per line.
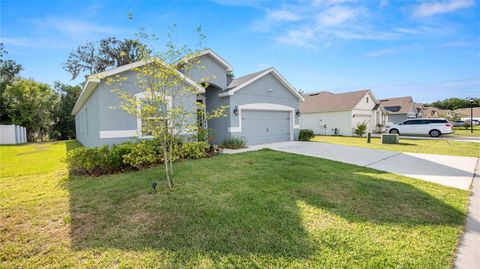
x=75, y=27
x=428, y=9
x=282, y=15
x=300, y=37
x=460, y=44
x=35, y=42
x=381, y=52
x=337, y=15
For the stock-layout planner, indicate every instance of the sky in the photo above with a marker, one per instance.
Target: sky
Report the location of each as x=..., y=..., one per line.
x=426, y=49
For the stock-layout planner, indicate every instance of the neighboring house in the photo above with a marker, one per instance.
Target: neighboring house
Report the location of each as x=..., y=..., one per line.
x=465, y=113
x=262, y=106
x=400, y=109
x=329, y=113
x=419, y=108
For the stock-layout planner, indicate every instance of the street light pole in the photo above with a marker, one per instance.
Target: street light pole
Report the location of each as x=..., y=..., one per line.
x=471, y=115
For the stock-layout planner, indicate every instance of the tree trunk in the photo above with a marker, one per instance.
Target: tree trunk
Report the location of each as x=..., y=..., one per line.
x=165, y=161
x=170, y=148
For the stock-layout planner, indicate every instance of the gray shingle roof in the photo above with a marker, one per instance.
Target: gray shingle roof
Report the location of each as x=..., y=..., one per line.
x=239, y=81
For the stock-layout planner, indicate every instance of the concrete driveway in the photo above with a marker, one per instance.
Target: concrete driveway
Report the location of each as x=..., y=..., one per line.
x=450, y=171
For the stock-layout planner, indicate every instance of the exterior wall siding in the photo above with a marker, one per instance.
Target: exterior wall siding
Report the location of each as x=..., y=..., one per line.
x=264, y=90
x=211, y=70
x=219, y=126
x=87, y=121
x=325, y=123
x=396, y=118
x=103, y=117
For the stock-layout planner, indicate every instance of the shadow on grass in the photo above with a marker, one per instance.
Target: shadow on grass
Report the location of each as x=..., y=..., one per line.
x=240, y=204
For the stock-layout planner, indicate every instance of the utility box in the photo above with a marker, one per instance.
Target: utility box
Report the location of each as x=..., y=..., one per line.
x=390, y=138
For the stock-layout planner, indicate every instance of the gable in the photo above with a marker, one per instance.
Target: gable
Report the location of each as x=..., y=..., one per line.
x=267, y=85
x=211, y=70
x=368, y=101
x=270, y=72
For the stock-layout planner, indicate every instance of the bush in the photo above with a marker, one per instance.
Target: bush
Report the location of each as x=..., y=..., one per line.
x=97, y=161
x=144, y=153
x=466, y=125
x=234, y=143
x=194, y=150
x=305, y=135
x=361, y=129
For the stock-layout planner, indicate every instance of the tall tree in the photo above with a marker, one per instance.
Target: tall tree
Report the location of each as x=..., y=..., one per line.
x=32, y=105
x=64, y=127
x=95, y=57
x=161, y=110
x=455, y=103
x=9, y=71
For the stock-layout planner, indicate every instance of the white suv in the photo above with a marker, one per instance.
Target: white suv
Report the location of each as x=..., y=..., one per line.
x=432, y=127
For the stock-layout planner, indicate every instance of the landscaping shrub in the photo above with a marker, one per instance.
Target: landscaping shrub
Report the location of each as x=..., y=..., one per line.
x=194, y=150
x=234, y=143
x=97, y=161
x=144, y=153
x=361, y=129
x=305, y=135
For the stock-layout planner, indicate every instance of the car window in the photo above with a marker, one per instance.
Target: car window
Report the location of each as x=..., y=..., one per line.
x=438, y=121
x=408, y=122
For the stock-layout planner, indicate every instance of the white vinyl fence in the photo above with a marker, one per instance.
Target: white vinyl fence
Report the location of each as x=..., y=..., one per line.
x=12, y=134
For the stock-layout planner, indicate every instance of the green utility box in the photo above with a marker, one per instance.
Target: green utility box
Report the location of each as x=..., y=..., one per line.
x=390, y=139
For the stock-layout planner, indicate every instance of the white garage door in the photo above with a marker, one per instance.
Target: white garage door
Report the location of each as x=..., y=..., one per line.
x=260, y=127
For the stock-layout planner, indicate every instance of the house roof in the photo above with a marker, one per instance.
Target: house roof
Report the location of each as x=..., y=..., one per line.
x=465, y=112
x=93, y=80
x=398, y=105
x=326, y=101
x=241, y=82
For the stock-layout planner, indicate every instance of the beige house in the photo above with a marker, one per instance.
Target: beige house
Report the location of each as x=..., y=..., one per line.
x=465, y=113
x=400, y=109
x=329, y=113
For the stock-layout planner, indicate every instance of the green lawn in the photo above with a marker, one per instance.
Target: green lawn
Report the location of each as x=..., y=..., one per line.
x=445, y=147
x=262, y=209
x=460, y=131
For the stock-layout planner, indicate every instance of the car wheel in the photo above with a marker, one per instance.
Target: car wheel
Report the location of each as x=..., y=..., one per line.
x=434, y=133
x=394, y=131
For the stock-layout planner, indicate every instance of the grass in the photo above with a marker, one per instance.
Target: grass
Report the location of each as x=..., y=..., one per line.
x=461, y=131
x=262, y=209
x=445, y=147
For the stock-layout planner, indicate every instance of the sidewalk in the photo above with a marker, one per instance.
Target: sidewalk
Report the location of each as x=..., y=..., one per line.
x=468, y=251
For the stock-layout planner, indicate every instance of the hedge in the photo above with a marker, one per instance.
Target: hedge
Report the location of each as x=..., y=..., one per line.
x=97, y=161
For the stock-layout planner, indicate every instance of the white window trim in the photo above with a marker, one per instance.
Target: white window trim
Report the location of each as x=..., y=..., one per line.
x=265, y=107
x=140, y=96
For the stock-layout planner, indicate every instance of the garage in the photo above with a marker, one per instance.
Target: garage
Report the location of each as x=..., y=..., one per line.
x=261, y=127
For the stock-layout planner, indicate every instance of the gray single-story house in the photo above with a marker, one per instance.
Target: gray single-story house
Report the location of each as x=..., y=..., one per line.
x=400, y=109
x=263, y=107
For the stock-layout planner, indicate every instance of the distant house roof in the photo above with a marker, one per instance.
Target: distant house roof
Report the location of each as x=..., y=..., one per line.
x=326, y=101
x=398, y=105
x=465, y=112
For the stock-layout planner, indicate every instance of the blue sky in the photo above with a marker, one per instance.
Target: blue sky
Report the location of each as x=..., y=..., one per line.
x=427, y=49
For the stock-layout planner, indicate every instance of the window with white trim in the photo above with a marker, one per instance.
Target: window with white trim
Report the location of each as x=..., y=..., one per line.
x=152, y=115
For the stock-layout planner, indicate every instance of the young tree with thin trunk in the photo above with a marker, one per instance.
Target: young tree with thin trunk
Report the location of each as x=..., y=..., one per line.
x=166, y=109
